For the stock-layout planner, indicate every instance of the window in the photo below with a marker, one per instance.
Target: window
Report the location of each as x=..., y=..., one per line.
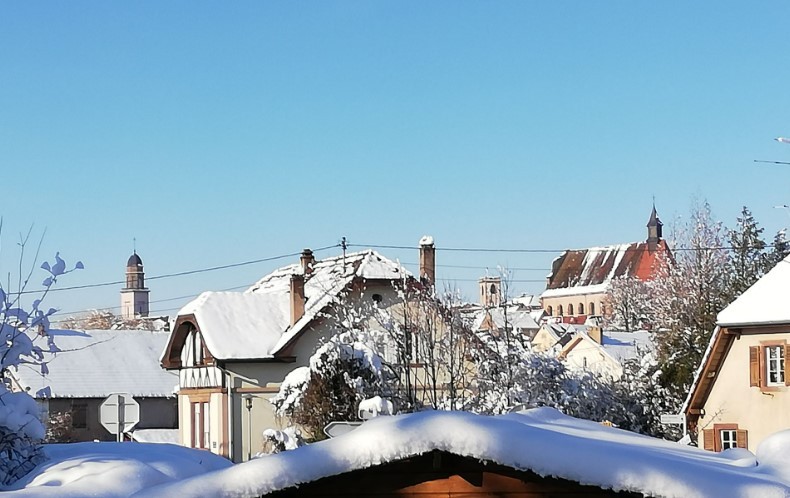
x=79, y=415
x=549, y=311
x=725, y=436
x=200, y=424
x=581, y=308
x=767, y=365
x=559, y=310
x=728, y=439
x=592, y=308
x=570, y=309
x=775, y=365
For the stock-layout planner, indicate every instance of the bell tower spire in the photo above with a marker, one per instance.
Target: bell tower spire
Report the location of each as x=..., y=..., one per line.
x=134, y=297
x=653, y=229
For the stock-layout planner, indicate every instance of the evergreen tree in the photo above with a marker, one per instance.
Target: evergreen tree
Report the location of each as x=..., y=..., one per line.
x=747, y=261
x=780, y=249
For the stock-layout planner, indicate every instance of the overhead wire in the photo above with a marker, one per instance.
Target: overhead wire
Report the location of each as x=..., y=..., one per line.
x=182, y=273
x=371, y=246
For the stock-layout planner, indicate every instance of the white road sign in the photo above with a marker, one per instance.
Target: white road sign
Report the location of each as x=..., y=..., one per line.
x=673, y=419
x=119, y=413
x=335, y=429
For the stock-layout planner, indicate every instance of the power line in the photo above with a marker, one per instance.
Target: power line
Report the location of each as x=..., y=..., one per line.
x=183, y=273
x=514, y=268
x=97, y=308
x=502, y=250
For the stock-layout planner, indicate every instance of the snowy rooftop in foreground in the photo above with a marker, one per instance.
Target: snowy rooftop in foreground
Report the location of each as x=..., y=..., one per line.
x=765, y=302
x=541, y=440
x=95, y=363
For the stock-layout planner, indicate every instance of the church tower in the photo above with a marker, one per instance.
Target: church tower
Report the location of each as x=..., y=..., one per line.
x=134, y=297
x=653, y=230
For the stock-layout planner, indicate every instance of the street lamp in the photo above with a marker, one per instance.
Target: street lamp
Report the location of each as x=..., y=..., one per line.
x=248, y=404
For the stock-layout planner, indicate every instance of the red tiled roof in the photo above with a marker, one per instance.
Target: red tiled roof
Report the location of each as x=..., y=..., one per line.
x=583, y=267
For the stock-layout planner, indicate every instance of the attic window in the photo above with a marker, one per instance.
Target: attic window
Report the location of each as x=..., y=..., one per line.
x=377, y=298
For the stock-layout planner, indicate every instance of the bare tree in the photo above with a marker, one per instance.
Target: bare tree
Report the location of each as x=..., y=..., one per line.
x=25, y=329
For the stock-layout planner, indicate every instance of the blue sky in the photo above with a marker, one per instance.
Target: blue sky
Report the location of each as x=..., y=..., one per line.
x=218, y=133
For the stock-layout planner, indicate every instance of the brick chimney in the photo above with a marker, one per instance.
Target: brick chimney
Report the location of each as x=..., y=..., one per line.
x=297, y=298
x=307, y=260
x=427, y=260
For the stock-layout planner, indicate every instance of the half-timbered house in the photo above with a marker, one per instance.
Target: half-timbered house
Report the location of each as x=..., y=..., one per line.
x=232, y=350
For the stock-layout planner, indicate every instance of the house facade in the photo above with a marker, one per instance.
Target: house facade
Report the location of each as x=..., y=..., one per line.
x=232, y=350
x=579, y=280
x=604, y=352
x=741, y=393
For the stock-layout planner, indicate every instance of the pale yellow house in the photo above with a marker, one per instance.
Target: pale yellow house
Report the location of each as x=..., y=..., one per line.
x=604, y=352
x=233, y=349
x=741, y=393
x=552, y=335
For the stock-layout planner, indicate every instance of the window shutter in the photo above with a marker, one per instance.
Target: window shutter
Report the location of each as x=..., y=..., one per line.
x=787, y=351
x=708, y=439
x=754, y=366
x=742, y=438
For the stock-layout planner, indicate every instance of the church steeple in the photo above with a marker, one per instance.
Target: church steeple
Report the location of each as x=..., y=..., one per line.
x=653, y=229
x=134, y=297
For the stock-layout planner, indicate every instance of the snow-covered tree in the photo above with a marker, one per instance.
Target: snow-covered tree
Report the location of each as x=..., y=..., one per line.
x=780, y=249
x=686, y=297
x=25, y=332
x=645, y=399
x=747, y=260
x=341, y=373
x=432, y=341
x=107, y=320
x=628, y=299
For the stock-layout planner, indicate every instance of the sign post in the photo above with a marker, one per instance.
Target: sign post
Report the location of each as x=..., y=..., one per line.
x=672, y=419
x=119, y=413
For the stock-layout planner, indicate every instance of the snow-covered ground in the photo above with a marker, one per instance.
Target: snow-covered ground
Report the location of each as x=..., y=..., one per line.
x=542, y=440
x=111, y=470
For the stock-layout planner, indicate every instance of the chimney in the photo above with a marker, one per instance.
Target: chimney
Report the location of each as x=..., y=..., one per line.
x=596, y=334
x=307, y=259
x=297, y=298
x=427, y=260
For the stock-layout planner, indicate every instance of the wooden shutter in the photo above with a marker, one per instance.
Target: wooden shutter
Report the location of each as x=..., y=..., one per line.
x=787, y=358
x=742, y=438
x=754, y=366
x=708, y=439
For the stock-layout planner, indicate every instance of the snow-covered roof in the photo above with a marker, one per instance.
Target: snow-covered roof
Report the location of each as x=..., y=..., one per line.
x=517, y=318
x=541, y=440
x=623, y=346
x=562, y=332
x=530, y=300
x=590, y=271
x=96, y=363
x=256, y=323
x=763, y=303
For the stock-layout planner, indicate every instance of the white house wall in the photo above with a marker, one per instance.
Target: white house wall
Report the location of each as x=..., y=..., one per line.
x=589, y=356
x=733, y=401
